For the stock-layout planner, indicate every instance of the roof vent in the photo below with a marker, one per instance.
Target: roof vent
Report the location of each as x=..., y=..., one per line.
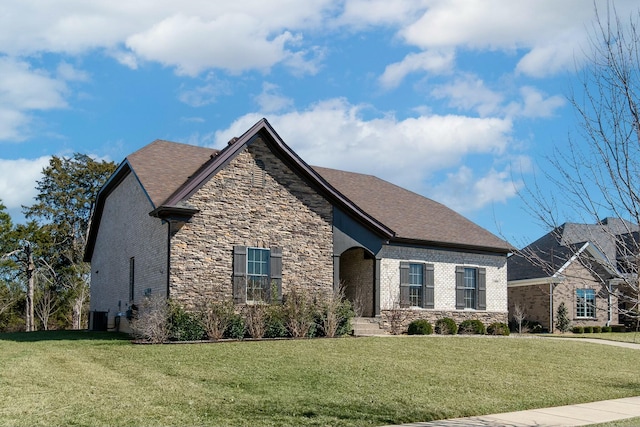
x=232, y=140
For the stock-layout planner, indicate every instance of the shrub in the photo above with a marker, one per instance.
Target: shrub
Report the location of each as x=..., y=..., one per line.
x=215, y=317
x=597, y=329
x=471, y=327
x=577, y=330
x=346, y=313
x=498, y=328
x=235, y=329
x=588, y=329
x=298, y=312
x=254, y=320
x=563, y=323
x=607, y=329
x=151, y=322
x=618, y=328
x=535, y=327
x=274, y=322
x=446, y=326
x=334, y=310
x=184, y=325
x=420, y=327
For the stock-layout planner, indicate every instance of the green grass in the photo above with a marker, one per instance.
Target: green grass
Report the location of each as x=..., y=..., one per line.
x=629, y=422
x=85, y=378
x=632, y=337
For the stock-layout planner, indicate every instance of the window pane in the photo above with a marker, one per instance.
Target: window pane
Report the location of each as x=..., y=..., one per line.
x=470, y=286
x=257, y=274
x=415, y=282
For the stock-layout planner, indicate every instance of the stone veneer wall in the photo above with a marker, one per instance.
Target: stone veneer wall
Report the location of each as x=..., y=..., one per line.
x=445, y=262
x=126, y=230
x=245, y=204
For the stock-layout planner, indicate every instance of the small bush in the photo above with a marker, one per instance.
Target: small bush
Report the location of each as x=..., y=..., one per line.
x=274, y=322
x=471, y=327
x=446, y=326
x=577, y=330
x=535, y=327
x=346, y=313
x=607, y=329
x=184, y=325
x=333, y=311
x=420, y=327
x=588, y=329
x=151, y=322
x=498, y=328
x=298, y=310
x=618, y=328
x=236, y=327
x=254, y=316
x=597, y=329
x=215, y=316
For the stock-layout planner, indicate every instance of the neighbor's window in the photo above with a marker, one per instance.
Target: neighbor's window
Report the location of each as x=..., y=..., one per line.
x=585, y=303
x=470, y=287
x=416, y=279
x=257, y=274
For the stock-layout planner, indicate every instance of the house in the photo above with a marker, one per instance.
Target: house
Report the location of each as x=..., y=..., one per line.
x=253, y=220
x=580, y=265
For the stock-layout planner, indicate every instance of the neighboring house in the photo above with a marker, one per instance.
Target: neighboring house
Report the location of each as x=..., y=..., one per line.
x=578, y=264
x=253, y=220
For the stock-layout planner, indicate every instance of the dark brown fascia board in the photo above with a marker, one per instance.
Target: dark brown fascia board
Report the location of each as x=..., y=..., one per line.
x=263, y=129
x=453, y=246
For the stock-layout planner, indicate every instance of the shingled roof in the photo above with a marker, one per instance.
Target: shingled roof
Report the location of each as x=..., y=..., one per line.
x=170, y=172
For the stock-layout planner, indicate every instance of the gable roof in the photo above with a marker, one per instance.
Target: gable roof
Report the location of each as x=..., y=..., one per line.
x=548, y=255
x=170, y=173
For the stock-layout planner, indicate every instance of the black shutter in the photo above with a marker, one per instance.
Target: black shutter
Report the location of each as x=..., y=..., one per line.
x=459, y=287
x=427, y=286
x=239, y=274
x=482, y=289
x=275, y=272
x=404, y=284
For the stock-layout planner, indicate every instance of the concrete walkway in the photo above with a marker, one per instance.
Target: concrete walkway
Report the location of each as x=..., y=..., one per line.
x=560, y=416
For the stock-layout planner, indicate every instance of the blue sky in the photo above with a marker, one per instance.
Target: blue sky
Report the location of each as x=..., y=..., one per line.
x=460, y=100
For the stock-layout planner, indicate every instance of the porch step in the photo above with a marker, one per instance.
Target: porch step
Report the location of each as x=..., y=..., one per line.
x=366, y=326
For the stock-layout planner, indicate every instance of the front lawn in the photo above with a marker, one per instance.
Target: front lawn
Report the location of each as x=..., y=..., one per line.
x=632, y=337
x=93, y=379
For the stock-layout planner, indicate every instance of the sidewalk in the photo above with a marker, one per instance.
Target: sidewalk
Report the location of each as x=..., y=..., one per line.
x=561, y=416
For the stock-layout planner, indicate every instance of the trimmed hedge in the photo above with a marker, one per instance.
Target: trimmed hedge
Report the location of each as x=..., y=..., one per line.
x=588, y=329
x=597, y=329
x=420, y=327
x=607, y=329
x=446, y=326
x=471, y=327
x=577, y=330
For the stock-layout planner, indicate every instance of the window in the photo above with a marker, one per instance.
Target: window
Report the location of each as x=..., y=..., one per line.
x=585, y=303
x=258, y=282
x=471, y=289
x=416, y=285
x=257, y=274
x=132, y=277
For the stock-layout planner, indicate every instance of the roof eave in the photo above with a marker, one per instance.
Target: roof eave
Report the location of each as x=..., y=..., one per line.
x=450, y=245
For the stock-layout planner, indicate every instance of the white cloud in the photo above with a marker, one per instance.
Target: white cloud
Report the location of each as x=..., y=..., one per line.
x=468, y=93
x=68, y=72
x=18, y=182
x=270, y=100
x=205, y=94
x=406, y=152
x=430, y=61
x=23, y=90
x=464, y=192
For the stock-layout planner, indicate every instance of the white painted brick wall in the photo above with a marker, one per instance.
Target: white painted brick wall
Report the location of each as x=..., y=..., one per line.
x=445, y=263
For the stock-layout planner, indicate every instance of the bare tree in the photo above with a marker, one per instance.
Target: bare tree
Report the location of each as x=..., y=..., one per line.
x=597, y=173
x=518, y=316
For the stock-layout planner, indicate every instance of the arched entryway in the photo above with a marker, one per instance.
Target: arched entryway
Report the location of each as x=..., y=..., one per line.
x=357, y=279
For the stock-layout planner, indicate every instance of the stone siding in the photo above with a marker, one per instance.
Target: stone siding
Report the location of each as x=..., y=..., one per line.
x=256, y=201
x=126, y=231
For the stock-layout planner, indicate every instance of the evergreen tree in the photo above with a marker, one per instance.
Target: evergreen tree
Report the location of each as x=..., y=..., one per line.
x=563, y=318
